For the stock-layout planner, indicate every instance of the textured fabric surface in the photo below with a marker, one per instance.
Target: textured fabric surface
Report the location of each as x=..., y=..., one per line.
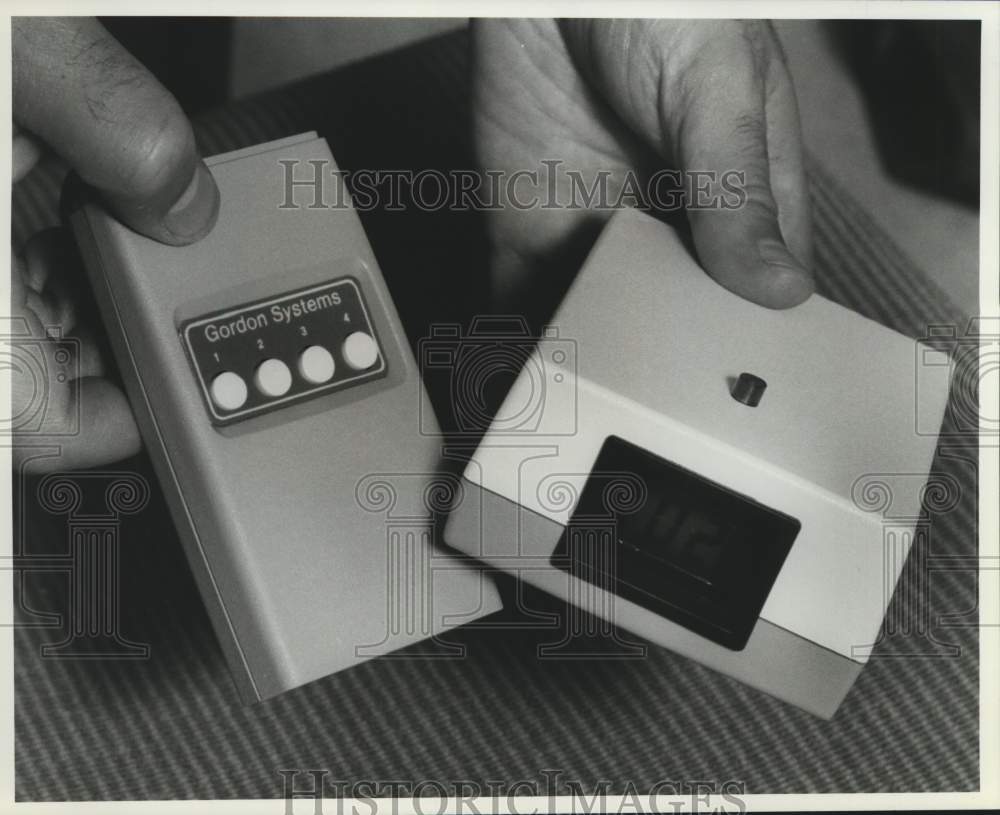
x=171, y=726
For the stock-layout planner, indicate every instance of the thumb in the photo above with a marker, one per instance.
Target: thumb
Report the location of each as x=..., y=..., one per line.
x=709, y=95
x=86, y=97
x=724, y=129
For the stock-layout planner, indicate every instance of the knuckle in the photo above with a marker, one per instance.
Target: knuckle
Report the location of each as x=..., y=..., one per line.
x=760, y=202
x=748, y=130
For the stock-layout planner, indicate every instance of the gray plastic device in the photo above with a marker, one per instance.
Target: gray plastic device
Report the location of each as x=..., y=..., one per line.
x=279, y=401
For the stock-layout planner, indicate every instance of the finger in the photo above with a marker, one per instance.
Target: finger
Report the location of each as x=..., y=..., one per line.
x=50, y=266
x=43, y=283
x=18, y=288
x=43, y=254
x=697, y=94
x=99, y=430
x=785, y=157
x=78, y=339
x=90, y=361
x=722, y=127
x=51, y=270
x=85, y=96
x=87, y=418
x=46, y=311
x=26, y=152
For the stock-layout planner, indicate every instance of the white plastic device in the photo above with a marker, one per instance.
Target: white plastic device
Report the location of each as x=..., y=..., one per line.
x=708, y=473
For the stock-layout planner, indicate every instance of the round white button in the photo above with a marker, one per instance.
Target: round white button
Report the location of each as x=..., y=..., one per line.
x=229, y=391
x=360, y=351
x=273, y=378
x=316, y=365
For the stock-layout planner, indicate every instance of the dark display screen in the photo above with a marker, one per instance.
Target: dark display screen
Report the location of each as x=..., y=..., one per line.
x=675, y=543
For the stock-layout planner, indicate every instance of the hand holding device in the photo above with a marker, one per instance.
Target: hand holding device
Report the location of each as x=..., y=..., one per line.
x=78, y=93
x=619, y=102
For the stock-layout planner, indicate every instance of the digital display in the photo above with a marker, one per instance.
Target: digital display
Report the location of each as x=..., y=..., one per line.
x=675, y=543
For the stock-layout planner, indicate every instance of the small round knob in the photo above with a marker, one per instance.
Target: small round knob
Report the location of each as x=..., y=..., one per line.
x=316, y=365
x=273, y=378
x=229, y=391
x=748, y=389
x=360, y=351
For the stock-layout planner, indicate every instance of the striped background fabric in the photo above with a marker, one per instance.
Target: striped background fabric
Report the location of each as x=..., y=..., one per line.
x=171, y=726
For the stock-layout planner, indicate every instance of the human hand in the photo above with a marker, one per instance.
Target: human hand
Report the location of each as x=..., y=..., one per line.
x=78, y=93
x=634, y=96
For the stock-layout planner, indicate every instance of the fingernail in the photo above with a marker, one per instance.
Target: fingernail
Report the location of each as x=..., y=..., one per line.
x=790, y=283
x=775, y=253
x=195, y=212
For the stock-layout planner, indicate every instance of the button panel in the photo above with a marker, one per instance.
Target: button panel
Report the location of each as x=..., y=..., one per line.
x=271, y=353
